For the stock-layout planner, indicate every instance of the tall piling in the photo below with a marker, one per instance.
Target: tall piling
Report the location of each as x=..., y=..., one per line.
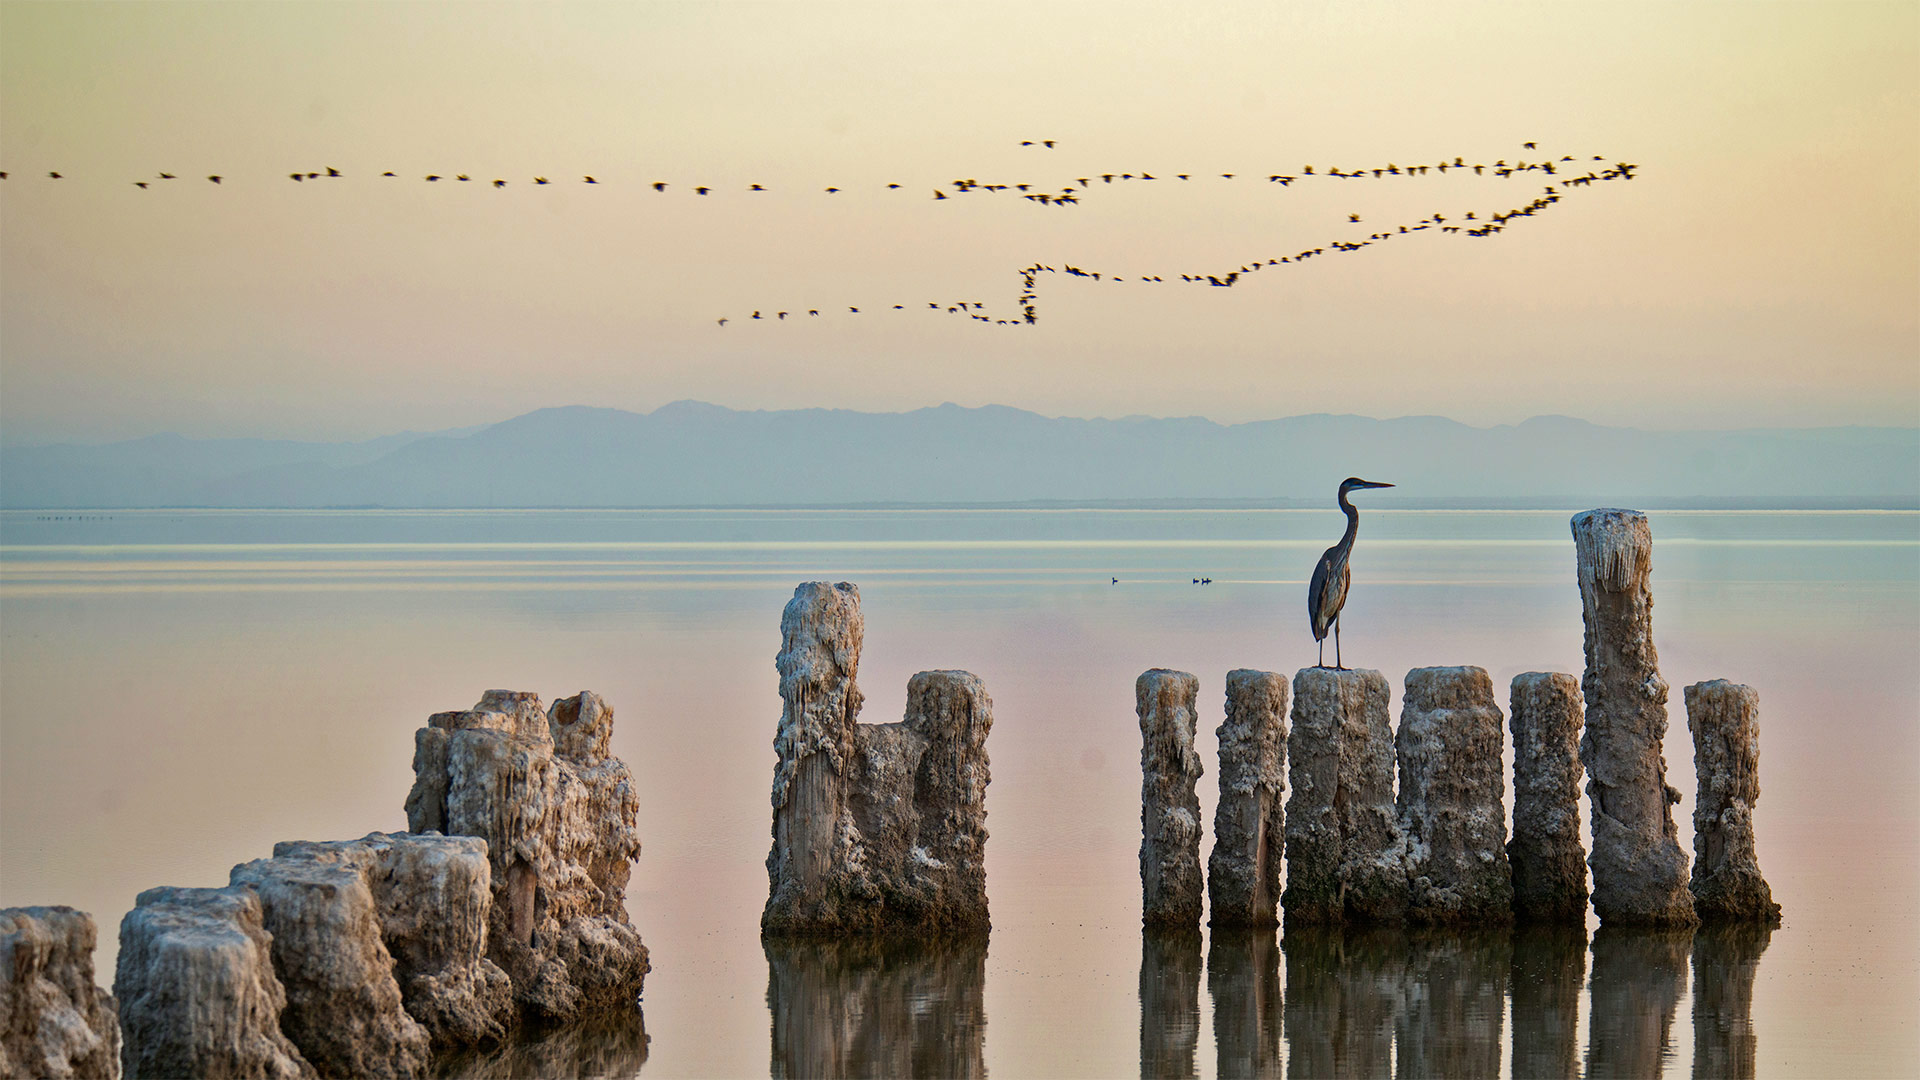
x=1639, y=871
x=1249, y=823
x=1169, y=804
x=1346, y=854
x=1549, y=864
x=1725, y=720
x=1452, y=798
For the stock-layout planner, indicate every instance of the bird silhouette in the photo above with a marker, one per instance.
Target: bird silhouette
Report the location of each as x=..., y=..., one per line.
x=588, y=180
x=296, y=177
x=498, y=184
x=166, y=176
x=382, y=174
x=1333, y=576
x=540, y=180
x=723, y=322
x=54, y=176
x=702, y=190
x=215, y=179
x=141, y=184
x=659, y=185
x=431, y=178
x=331, y=171
x=463, y=178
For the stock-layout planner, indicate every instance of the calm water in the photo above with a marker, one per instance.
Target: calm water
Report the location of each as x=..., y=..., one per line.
x=178, y=690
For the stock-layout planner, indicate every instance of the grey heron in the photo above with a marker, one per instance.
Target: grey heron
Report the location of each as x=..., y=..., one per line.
x=1327, y=592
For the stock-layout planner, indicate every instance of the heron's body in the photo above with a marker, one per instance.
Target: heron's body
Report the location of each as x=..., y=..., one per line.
x=1333, y=576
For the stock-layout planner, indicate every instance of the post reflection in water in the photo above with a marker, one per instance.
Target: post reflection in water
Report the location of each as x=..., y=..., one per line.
x=1346, y=991
x=877, y=1006
x=608, y=1046
x=1725, y=959
x=1638, y=977
x=1243, y=979
x=1169, y=1002
x=1456, y=1004
x=1549, y=974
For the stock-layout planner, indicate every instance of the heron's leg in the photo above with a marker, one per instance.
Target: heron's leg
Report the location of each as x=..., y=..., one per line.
x=1322, y=642
x=1337, y=666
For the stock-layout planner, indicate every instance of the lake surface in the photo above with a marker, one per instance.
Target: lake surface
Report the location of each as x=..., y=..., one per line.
x=180, y=689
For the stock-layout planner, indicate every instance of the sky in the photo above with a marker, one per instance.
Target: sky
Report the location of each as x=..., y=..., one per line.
x=1761, y=269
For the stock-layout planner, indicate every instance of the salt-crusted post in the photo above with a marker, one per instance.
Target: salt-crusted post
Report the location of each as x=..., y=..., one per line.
x=1452, y=798
x=1639, y=871
x=1725, y=720
x=53, y=1020
x=1346, y=855
x=821, y=632
x=1549, y=865
x=198, y=995
x=1249, y=824
x=1169, y=805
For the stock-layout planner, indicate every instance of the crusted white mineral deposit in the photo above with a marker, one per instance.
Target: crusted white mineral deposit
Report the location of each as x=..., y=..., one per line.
x=1549, y=863
x=558, y=814
x=1249, y=823
x=54, y=1022
x=1725, y=720
x=1346, y=854
x=1169, y=803
x=1639, y=871
x=197, y=990
x=876, y=827
x=1452, y=798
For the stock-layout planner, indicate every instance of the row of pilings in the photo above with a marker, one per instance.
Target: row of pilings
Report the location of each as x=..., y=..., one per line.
x=1436, y=851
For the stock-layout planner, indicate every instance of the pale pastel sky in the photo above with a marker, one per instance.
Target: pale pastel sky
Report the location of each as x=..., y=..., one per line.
x=1762, y=270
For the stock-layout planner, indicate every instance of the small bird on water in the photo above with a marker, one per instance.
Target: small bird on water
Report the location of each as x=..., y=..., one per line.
x=1327, y=592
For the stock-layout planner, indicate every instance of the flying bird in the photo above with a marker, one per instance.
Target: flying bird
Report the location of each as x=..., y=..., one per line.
x=541, y=180
x=53, y=176
x=331, y=171
x=166, y=176
x=215, y=179
x=588, y=180
x=1333, y=575
x=499, y=184
x=659, y=185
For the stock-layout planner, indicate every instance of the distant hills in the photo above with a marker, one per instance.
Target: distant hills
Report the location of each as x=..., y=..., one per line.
x=691, y=453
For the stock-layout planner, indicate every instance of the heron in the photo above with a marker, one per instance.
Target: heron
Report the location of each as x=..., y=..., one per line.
x=1327, y=592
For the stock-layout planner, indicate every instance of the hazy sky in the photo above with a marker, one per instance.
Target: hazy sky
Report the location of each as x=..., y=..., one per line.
x=1763, y=269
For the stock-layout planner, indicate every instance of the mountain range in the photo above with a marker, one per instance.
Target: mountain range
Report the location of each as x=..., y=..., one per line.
x=690, y=453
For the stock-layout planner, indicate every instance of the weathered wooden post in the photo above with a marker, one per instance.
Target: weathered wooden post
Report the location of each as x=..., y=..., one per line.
x=1639, y=871
x=1249, y=823
x=1169, y=803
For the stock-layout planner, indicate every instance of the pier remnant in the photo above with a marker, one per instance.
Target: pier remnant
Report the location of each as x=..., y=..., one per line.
x=1249, y=824
x=54, y=1022
x=1452, y=798
x=197, y=991
x=558, y=813
x=1639, y=871
x=1549, y=864
x=1725, y=720
x=1346, y=854
x=1169, y=803
x=876, y=827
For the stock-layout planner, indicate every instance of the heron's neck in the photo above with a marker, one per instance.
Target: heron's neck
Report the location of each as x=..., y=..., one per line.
x=1353, y=520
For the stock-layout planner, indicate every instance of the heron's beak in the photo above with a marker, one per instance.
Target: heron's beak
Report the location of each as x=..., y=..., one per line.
x=1372, y=484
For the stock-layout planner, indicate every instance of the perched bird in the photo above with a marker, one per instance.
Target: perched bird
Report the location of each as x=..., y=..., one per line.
x=1333, y=575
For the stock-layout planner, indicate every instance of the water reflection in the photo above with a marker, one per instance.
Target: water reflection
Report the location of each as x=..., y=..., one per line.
x=1169, y=1002
x=1243, y=979
x=1548, y=975
x=1725, y=959
x=1638, y=977
x=1346, y=991
x=1456, y=1004
x=872, y=1007
x=601, y=1048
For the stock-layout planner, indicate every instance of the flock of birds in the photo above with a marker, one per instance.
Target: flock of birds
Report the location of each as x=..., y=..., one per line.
x=1563, y=175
